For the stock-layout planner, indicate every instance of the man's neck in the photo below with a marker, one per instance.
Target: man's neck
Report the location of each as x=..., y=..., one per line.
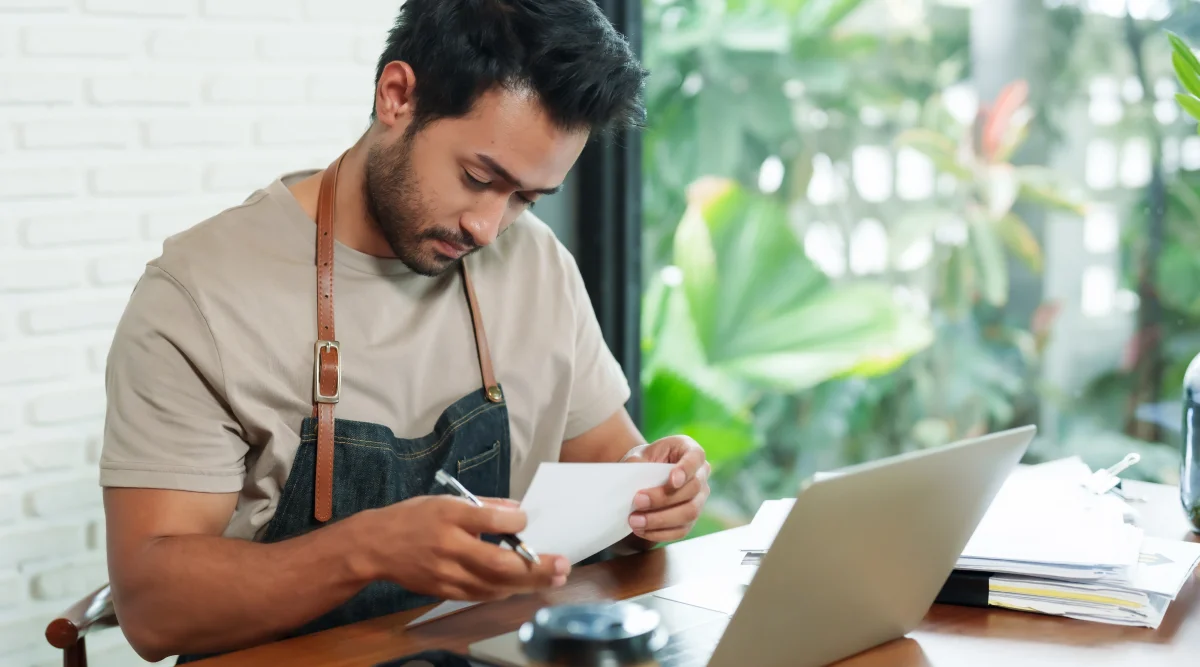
x=352, y=227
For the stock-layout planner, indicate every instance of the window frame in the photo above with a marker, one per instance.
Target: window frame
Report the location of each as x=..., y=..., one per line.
x=608, y=224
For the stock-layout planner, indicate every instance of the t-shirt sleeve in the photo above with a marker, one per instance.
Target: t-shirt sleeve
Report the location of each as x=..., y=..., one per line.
x=599, y=387
x=168, y=424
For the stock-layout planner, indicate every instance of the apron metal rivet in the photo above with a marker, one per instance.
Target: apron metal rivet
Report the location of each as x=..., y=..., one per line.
x=493, y=394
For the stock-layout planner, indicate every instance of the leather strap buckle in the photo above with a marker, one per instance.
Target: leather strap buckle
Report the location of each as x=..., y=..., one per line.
x=327, y=346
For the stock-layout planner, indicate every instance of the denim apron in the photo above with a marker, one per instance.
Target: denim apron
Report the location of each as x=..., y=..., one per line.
x=344, y=466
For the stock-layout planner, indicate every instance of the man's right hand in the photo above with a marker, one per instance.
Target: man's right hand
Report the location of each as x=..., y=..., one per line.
x=431, y=545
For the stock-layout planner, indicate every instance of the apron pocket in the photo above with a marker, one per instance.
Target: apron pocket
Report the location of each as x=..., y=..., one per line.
x=481, y=473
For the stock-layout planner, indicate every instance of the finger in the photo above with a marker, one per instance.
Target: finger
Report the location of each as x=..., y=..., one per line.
x=459, y=583
x=683, y=514
x=495, y=519
x=669, y=535
x=688, y=465
x=502, y=503
x=660, y=497
x=636, y=455
x=504, y=567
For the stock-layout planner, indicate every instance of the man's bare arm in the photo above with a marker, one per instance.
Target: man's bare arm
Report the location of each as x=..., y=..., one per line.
x=179, y=587
x=604, y=443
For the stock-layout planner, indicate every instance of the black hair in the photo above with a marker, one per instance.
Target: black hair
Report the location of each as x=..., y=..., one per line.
x=566, y=51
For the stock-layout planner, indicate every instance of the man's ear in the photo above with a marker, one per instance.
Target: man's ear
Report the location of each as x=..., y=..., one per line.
x=394, y=95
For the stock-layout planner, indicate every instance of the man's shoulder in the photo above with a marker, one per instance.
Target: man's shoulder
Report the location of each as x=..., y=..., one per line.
x=243, y=237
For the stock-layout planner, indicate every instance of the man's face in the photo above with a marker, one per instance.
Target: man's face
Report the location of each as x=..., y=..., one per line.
x=455, y=185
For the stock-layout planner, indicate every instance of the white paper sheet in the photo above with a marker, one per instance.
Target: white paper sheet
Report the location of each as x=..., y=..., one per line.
x=576, y=510
x=1164, y=566
x=1043, y=517
x=443, y=609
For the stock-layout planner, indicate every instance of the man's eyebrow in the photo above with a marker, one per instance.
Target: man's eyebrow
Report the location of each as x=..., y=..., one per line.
x=504, y=173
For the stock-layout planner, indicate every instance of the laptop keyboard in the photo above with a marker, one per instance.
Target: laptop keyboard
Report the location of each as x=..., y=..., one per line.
x=692, y=647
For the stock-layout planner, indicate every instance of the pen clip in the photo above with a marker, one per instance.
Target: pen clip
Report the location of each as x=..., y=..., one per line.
x=1106, y=479
x=1129, y=460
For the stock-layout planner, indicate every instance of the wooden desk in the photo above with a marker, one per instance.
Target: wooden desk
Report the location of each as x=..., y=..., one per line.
x=948, y=636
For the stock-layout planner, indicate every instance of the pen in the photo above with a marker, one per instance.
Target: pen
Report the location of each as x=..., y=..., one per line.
x=461, y=491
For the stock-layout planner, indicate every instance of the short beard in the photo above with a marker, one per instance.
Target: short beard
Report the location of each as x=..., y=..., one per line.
x=395, y=207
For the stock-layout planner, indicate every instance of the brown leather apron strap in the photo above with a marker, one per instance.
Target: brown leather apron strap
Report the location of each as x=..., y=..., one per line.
x=327, y=362
x=491, y=389
x=327, y=365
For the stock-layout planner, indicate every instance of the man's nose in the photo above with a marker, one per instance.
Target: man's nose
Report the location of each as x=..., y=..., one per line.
x=483, y=222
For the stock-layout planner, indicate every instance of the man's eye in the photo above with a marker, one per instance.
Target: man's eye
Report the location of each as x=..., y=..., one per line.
x=475, y=181
x=526, y=200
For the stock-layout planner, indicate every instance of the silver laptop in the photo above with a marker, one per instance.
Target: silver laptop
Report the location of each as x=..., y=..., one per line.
x=857, y=563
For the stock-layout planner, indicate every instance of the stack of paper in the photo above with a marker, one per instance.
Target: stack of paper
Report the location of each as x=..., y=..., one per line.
x=1050, y=546
x=1050, y=526
x=1163, y=568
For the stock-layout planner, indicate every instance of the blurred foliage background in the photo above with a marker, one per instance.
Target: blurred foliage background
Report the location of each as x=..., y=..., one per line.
x=852, y=252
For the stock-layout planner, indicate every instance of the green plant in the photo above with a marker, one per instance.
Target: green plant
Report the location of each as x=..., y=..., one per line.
x=743, y=315
x=1187, y=71
x=983, y=370
x=728, y=80
x=980, y=209
x=1095, y=419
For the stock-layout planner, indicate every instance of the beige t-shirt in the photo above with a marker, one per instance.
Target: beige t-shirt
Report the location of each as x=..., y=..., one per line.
x=210, y=372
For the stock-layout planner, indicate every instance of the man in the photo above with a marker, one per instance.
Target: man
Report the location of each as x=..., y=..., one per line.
x=268, y=472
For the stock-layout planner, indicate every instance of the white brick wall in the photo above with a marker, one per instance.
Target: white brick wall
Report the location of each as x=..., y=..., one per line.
x=123, y=122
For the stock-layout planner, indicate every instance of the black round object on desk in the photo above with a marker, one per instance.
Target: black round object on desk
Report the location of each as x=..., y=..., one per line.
x=603, y=634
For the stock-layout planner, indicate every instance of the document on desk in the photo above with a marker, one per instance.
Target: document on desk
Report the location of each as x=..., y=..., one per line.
x=1164, y=566
x=576, y=510
x=1041, y=525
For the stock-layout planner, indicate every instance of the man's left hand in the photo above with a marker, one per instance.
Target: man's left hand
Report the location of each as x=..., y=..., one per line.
x=668, y=512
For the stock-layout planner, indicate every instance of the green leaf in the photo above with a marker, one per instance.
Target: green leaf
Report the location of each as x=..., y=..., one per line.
x=674, y=406
x=787, y=7
x=938, y=147
x=1001, y=187
x=917, y=225
x=828, y=319
x=838, y=11
x=1190, y=104
x=1021, y=241
x=765, y=278
x=1183, y=194
x=913, y=335
x=697, y=259
x=1186, y=75
x=1176, y=274
x=958, y=280
x=654, y=312
x=795, y=371
x=816, y=17
x=989, y=254
x=677, y=348
x=1183, y=51
x=1039, y=185
x=753, y=310
x=855, y=328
